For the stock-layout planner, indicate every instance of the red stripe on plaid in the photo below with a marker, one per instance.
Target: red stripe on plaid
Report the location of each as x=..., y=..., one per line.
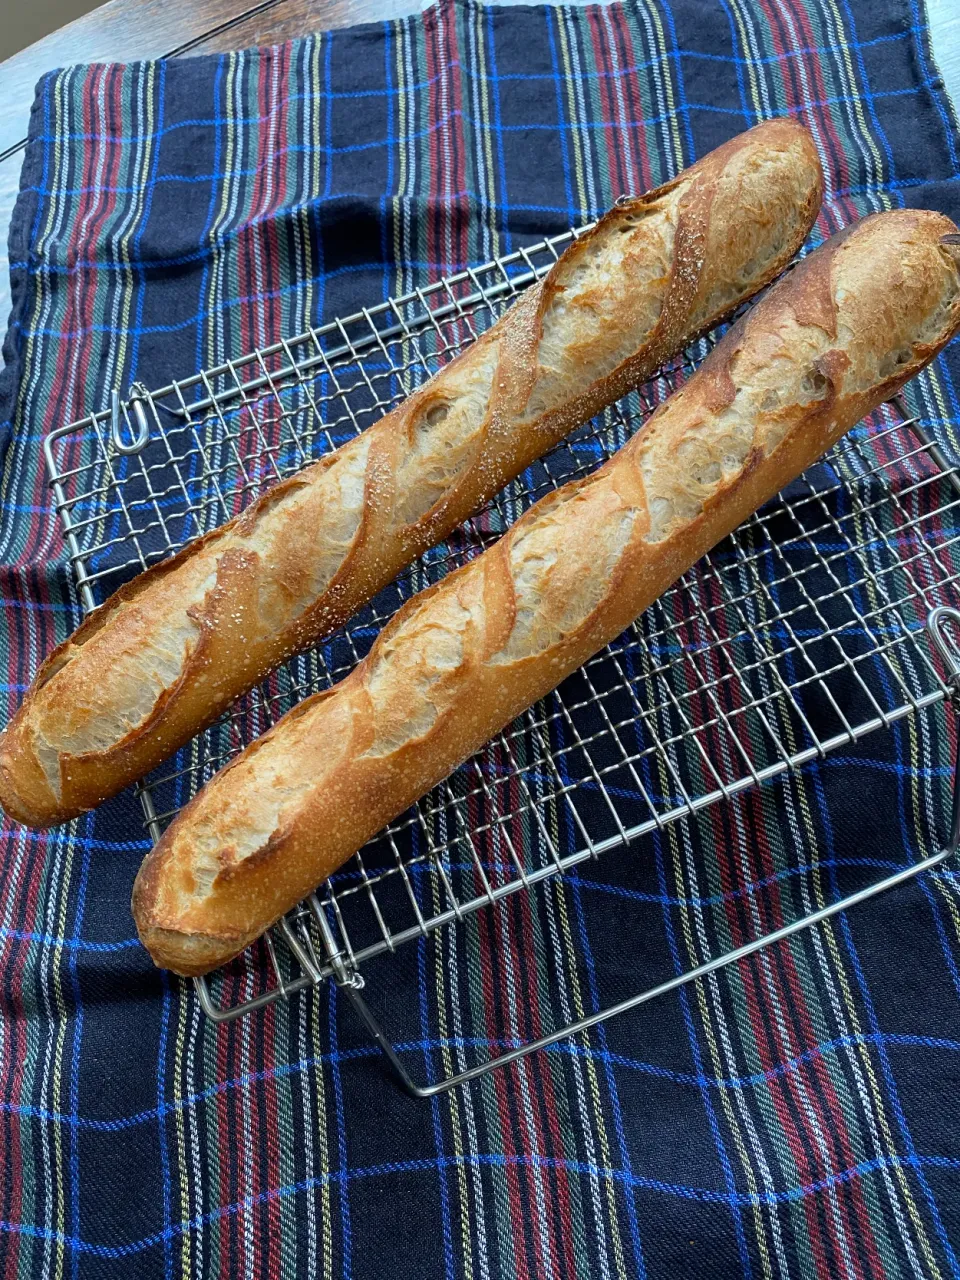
x=259, y=279
x=449, y=209
x=621, y=174
x=792, y=47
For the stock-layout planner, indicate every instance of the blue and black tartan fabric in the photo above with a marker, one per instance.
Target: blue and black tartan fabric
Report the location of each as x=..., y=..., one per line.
x=798, y=1116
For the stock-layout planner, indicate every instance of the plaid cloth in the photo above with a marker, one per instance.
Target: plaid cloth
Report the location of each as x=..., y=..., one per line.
x=797, y=1117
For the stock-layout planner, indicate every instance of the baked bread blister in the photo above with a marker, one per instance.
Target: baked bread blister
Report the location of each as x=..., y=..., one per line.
x=170, y=651
x=838, y=335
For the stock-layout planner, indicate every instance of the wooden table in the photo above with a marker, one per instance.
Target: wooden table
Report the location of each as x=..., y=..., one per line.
x=123, y=30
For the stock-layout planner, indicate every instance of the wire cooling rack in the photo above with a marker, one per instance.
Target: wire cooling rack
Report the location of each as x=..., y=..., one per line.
x=798, y=634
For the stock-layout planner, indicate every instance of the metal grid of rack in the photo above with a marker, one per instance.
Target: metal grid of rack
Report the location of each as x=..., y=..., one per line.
x=798, y=634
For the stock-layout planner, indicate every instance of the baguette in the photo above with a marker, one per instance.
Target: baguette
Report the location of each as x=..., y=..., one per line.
x=172, y=649
x=838, y=335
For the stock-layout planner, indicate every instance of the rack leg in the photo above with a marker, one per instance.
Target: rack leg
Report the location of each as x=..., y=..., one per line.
x=348, y=981
x=673, y=984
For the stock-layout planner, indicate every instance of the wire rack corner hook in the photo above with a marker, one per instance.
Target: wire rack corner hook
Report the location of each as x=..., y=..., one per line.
x=939, y=623
x=137, y=394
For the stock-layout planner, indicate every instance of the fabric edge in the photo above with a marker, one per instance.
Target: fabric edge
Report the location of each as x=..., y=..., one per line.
x=21, y=288
x=938, y=86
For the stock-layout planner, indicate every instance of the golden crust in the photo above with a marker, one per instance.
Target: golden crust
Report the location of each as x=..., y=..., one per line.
x=169, y=652
x=465, y=657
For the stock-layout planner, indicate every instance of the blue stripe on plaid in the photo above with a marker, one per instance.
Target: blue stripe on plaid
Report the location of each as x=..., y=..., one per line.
x=411, y=1167
x=696, y=1081
x=384, y=143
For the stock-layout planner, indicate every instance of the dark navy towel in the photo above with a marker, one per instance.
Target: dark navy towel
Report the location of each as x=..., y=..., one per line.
x=799, y=1116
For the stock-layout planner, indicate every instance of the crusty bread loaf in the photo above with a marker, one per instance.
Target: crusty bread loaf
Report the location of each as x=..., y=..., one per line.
x=842, y=332
x=170, y=651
